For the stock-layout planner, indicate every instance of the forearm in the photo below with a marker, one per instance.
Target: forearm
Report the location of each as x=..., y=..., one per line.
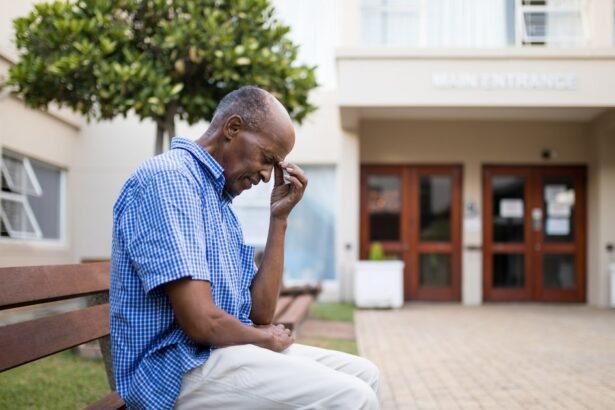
x=204, y=322
x=218, y=328
x=268, y=281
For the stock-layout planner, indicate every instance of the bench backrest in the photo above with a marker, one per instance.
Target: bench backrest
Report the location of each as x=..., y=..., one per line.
x=30, y=340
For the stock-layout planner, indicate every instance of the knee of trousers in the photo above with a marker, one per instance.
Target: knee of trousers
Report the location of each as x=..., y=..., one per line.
x=370, y=374
x=364, y=397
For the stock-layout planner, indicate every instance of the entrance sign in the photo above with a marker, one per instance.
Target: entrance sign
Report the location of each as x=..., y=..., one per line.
x=504, y=81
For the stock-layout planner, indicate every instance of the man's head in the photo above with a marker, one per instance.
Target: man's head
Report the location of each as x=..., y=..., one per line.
x=250, y=133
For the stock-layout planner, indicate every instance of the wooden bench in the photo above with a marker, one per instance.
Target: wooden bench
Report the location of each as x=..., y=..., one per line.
x=294, y=305
x=30, y=340
x=26, y=341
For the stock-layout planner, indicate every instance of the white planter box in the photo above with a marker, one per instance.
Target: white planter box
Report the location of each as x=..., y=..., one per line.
x=379, y=284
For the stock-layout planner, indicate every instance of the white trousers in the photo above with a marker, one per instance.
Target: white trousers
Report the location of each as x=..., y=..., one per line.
x=301, y=377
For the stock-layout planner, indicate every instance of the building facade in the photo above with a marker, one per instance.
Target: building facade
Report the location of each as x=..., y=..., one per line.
x=475, y=141
x=472, y=139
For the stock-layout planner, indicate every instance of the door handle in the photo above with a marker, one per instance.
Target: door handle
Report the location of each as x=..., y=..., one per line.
x=537, y=219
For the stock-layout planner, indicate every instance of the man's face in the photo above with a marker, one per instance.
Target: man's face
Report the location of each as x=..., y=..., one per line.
x=252, y=156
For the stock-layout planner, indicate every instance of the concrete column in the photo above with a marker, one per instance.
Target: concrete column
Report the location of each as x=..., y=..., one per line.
x=349, y=13
x=599, y=23
x=348, y=214
x=601, y=204
x=472, y=262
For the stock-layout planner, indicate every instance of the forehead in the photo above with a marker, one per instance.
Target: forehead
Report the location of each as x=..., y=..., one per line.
x=276, y=141
x=274, y=146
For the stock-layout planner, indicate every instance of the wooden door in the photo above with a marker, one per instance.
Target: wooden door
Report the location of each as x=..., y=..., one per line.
x=534, y=233
x=414, y=212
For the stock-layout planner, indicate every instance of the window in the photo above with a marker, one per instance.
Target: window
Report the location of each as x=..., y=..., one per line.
x=473, y=23
x=550, y=22
x=310, y=237
x=31, y=198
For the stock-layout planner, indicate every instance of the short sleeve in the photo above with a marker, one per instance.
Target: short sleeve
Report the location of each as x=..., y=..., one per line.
x=164, y=231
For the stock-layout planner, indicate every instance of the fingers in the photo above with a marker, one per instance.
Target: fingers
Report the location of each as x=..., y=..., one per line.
x=285, y=329
x=294, y=170
x=296, y=176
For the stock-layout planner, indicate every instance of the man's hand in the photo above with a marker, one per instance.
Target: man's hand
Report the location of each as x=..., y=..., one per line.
x=280, y=337
x=286, y=193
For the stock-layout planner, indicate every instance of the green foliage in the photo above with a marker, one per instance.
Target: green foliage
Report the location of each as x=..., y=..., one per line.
x=376, y=252
x=342, y=312
x=161, y=59
x=61, y=381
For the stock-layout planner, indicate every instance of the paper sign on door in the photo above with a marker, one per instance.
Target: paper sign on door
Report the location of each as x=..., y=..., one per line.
x=511, y=208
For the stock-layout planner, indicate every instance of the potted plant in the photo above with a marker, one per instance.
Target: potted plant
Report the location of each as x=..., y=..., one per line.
x=378, y=281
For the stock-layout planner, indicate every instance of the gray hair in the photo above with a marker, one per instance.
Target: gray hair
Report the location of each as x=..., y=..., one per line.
x=251, y=103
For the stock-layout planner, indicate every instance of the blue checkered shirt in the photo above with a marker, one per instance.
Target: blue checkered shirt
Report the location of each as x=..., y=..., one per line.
x=172, y=220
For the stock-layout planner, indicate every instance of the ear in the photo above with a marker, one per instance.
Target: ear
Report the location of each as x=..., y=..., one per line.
x=232, y=126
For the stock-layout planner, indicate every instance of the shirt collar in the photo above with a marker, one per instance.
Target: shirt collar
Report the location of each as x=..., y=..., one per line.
x=206, y=161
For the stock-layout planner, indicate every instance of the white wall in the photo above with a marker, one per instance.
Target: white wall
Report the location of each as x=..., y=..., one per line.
x=601, y=209
x=50, y=139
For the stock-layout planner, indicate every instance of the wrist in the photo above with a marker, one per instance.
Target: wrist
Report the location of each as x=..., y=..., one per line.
x=278, y=221
x=265, y=338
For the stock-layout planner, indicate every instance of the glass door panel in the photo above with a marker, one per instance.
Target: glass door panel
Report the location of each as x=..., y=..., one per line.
x=558, y=208
x=558, y=271
x=435, y=270
x=384, y=207
x=508, y=270
x=435, y=207
x=508, y=208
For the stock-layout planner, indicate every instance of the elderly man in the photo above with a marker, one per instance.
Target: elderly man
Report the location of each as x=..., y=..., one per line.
x=190, y=313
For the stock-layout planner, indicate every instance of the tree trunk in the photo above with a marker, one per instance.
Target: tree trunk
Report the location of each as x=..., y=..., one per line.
x=165, y=130
x=159, y=138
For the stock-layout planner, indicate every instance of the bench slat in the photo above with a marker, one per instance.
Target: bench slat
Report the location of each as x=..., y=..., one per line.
x=281, y=306
x=26, y=285
x=112, y=401
x=27, y=341
x=301, y=290
x=296, y=312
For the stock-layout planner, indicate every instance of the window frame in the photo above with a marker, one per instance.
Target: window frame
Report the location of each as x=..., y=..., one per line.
x=17, y=234
x=523, y=7
x=29, y=173
x=37, y=236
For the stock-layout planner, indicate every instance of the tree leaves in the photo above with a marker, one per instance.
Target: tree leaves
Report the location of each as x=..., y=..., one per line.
x=155, y=57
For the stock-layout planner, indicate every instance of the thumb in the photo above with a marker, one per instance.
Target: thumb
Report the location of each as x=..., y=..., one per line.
x=278, y=175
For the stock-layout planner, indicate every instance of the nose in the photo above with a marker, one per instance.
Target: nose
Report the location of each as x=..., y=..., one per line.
x=266, y=174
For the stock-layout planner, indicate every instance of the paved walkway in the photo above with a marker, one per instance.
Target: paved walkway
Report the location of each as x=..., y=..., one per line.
x=495, y=356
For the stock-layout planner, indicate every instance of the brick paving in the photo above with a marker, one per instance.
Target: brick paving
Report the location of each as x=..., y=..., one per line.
x=505, y=356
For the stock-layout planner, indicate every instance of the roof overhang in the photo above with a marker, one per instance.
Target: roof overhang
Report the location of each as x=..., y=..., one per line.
x=515, y=84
